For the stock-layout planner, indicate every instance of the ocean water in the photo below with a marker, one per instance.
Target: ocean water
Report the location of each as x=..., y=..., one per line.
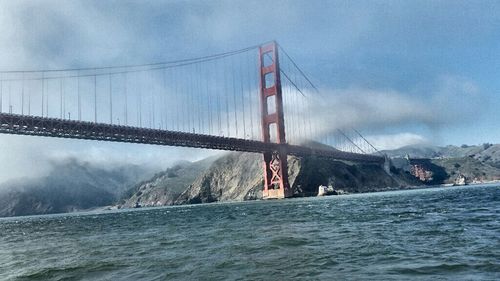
x=429, y=234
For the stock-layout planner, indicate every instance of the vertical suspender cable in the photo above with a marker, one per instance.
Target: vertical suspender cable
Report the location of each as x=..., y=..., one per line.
x=149, y=105
x=149, y=99
x=199, y=101
x=219, y=119
x=249, y=91
x=48, y=95
x=140, y=101
x=60, y=99
x=176, y=97
x=162, y=113
x=1, y=95
x=138, y=98
x=110, y=100
x=209, y=99
x=303, y=109
x=10, y=101
x=79, y=99
x=312, y=126
x=287, y=107
x=29, y=103
x=43, y=90
x=187, y=110
x=226, y=96
x=307, y=135
x=152, y=90
x=234, y=96
x=182, y=89
x=294, y=111
x=161, y=100
x=203, y=103
x=191, y=99
x=242, y=93
x=95, y=98
x=64, y=96
x=126, y=98
x=22, y=96
x=165, y=98
x=186, y=100
x=257, y=80
x=197, y=94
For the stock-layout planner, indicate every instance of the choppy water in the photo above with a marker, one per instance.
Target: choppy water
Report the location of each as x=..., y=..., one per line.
x=445, y=233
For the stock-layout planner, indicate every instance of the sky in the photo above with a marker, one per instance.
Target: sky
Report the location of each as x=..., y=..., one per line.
x=403, y=72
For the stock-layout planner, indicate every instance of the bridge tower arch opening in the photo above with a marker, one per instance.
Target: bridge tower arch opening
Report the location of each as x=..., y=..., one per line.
x=276, y=183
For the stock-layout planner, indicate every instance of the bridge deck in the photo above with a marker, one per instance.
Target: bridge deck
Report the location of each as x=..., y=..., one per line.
x=60, y=128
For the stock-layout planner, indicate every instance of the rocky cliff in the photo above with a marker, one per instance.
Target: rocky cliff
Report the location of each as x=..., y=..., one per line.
x=238, y=176
x=235, y=176
x=485, y=153
x=477, y=163
x=73, y=185
x=164, y=187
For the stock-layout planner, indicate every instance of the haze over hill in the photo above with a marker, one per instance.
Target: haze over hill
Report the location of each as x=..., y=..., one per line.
x=238, y=176
x=486, y=153
x=73, y=185
x=70, y=186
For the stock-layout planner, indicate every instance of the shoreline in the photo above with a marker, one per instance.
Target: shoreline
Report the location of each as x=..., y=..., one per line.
x=115, y=209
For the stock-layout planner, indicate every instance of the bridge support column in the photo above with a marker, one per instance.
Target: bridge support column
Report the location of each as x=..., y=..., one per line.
x=273, y=125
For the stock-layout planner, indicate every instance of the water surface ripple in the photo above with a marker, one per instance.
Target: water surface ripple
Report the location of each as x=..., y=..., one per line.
x=430, y=234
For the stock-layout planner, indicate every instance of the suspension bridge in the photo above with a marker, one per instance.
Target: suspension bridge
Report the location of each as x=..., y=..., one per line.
x=241, y=100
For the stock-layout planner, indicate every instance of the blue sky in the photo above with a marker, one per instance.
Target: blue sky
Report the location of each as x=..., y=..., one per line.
x=427, y=70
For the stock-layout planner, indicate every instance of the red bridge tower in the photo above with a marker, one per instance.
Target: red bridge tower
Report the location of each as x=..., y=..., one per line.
x=273, y=125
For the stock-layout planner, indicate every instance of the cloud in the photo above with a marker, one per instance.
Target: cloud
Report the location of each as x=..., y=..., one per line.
x=453, y=101
x=31, y=157
x=394, y=141
x=54, y=34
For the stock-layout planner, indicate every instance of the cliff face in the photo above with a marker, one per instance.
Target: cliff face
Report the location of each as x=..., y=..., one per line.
x=345, y=177
x=472, y=168
x=164, y=188
x=238, y=176
x=235, y=176
x=484, y=153
x=477, y=163
x=73, y=185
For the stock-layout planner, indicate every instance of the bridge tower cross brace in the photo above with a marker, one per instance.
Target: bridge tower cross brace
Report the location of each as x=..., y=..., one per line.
x=273, y=125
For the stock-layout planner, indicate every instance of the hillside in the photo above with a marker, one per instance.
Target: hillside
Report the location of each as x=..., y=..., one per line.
x=238, y=176
x=73, y=185
x=70, y=186
x=472, y=168
x=164, y=187
x=487, y=153
x=478, y=163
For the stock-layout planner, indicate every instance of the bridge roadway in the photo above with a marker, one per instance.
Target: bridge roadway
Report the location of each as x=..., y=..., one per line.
x=61, y=128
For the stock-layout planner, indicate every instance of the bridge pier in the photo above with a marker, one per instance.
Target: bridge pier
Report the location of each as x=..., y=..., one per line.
x=276, y=176
x=273, y=125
